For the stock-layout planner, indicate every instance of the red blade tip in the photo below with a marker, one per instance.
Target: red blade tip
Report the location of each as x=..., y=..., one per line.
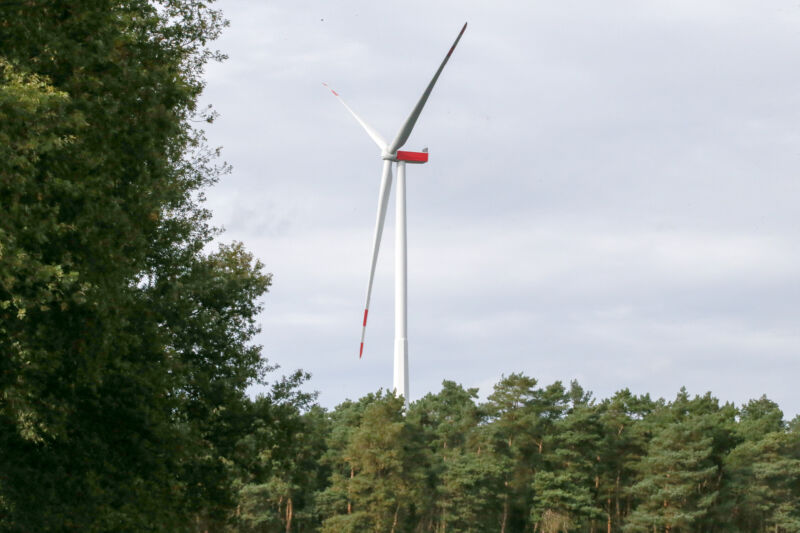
x=330, y=89
x=360, y=353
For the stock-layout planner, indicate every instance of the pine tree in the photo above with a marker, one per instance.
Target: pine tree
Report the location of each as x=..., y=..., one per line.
x=681, y=475
x=763, y=471
x=569, y=482
x=623, y=445
x=278, y=460
x=471, y=488
x=515, y=435
x=444, y=423
x=386, y=473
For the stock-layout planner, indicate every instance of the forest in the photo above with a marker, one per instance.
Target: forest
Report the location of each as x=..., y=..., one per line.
x=530, y=458
x=127, y=347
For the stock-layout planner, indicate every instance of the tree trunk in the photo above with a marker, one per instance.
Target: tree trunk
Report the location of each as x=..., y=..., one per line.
x=394, y=522
x=289, y=512
x=349, y=501
x=505, y=514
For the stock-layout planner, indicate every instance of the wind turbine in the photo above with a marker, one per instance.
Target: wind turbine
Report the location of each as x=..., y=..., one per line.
x=390, y=153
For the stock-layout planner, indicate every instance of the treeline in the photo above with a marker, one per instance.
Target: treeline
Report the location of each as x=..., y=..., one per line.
x=530, y=458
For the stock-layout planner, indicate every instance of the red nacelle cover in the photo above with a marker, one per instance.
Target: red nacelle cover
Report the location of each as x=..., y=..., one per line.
x=412, y=157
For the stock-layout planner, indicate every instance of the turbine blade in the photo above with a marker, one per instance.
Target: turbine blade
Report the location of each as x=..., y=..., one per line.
x=383, y=201
x=379, y=140
x=405, y=131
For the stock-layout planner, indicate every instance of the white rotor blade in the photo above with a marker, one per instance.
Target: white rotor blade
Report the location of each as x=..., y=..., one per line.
x=405, y=131
x=379, y=140
x=383, y=201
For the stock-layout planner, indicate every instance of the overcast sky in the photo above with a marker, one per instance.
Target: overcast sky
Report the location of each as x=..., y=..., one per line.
x=611, y=194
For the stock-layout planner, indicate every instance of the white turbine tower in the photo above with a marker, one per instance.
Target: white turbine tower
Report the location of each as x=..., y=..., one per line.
x=390, y=153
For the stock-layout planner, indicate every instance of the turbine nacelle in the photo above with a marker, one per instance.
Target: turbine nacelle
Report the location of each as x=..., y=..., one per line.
x=413, y=157
x=417, y=158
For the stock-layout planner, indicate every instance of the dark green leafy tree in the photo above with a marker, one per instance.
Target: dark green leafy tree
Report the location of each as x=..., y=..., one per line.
x=125, y=344
x=279, y=460
x=35, y=121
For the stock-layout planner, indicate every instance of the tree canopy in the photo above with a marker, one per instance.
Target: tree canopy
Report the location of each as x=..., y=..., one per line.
x=538, y=458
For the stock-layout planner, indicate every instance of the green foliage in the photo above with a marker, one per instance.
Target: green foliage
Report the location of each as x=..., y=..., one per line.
x=126, y=347
x=34, y=123
x=569, y=483
x=447, y=418
x=624, y=443
x=378, y=473
x=764, y=471
x=463, y=480
x=681, y=476
x=520, y=416
x=471, y=488
x=626, y=463
x=278, y=460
